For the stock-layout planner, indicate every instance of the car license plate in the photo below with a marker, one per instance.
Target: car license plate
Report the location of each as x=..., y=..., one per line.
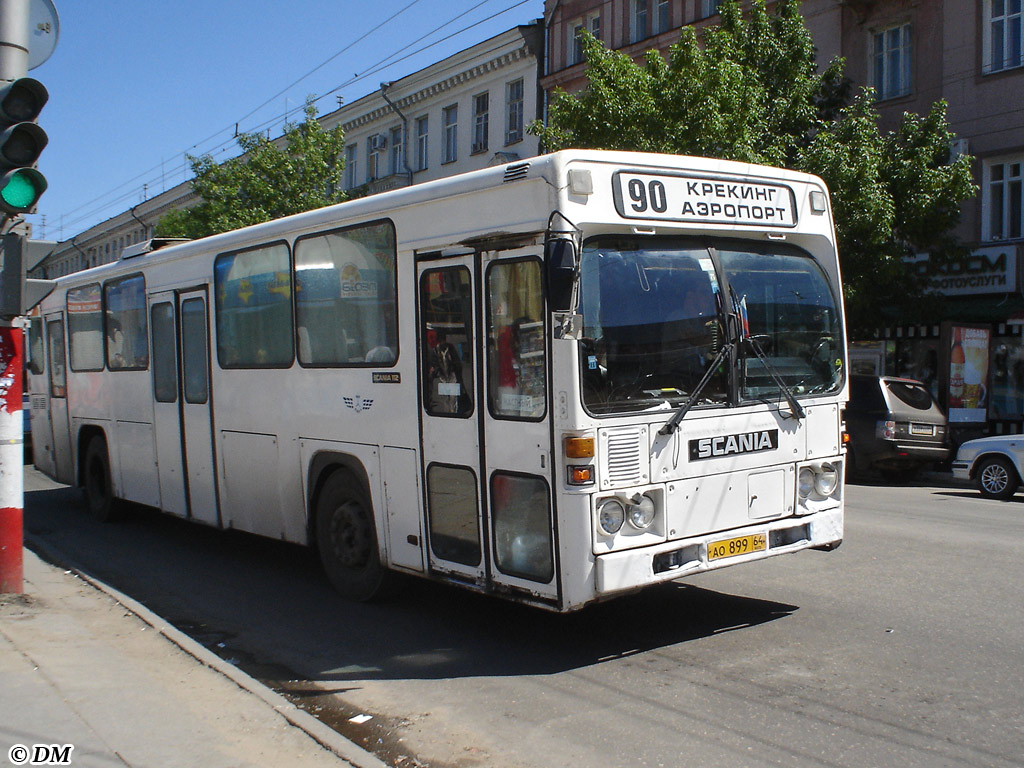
x=926, y=430
x=741, y=545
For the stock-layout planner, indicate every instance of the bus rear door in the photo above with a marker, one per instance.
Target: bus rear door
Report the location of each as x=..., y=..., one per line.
x=183, y=405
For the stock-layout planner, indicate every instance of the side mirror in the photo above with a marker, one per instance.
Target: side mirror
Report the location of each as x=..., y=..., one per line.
x=560, y=259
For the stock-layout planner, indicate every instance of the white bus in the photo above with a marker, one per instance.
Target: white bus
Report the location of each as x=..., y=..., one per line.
x=558, y=380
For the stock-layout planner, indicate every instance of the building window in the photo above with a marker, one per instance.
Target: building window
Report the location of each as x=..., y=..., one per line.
x=891, y=62
x=709, y=7
x=351, y=166
x=451, y=134
x=421, y=143
x=1002, y=199
x=1003, y=32
x=376, y=146
x=397, y=150
x=595, y=25
x=638, y=21
x=575, y=43
x=514, y=111
x=663, y=19
x=481, y=106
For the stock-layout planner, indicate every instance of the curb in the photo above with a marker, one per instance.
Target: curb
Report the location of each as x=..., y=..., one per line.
x=327, y=737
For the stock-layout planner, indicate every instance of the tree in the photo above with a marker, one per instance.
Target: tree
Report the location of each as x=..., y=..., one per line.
x=753, y=93
x=265, y=182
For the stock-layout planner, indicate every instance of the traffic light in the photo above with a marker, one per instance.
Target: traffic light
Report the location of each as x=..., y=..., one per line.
x=20, y=256
x=21, y=142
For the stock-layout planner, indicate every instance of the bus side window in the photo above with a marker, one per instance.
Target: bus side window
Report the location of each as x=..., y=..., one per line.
x=515, y=341
x=447, y=336
x=165, y=365
x=85, y=327
x=36, y=358
x=345, y=296
x=124, y=303
x=58, y=375
x=254, y=311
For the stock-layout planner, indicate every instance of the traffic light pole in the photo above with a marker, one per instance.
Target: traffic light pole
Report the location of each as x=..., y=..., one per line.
x=14, y=23
x=12, y=489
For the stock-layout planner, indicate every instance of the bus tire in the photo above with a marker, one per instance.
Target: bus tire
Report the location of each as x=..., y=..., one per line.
x=347, y=538
x=99, y=492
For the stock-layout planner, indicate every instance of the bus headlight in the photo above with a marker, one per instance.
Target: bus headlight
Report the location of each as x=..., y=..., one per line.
x=641, y=512
x=610, y=516
x=826, y=480
x=806, y=483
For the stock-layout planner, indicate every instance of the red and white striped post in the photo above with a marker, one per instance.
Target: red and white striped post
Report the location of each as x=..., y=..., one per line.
x=12, y=487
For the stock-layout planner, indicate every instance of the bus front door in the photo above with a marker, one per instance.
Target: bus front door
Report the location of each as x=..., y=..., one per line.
x=486, y=434
x=516, y=428
x=183, y=405
x=449, y=372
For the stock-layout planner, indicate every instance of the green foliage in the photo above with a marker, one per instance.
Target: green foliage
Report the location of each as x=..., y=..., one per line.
x=265, y=182
x=753, y=93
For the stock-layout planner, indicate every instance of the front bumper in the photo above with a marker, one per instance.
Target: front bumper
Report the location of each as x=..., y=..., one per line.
x=962, y=470
x=634, y=568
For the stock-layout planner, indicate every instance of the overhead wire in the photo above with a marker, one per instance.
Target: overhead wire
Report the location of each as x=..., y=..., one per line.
x=88, y=210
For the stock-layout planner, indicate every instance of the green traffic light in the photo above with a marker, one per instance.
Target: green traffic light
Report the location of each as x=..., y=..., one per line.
x=21, y=189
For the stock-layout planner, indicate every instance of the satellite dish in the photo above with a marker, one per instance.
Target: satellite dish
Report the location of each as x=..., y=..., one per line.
x=43, y=31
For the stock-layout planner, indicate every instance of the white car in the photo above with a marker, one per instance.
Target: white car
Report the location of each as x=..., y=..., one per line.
x=993, y=463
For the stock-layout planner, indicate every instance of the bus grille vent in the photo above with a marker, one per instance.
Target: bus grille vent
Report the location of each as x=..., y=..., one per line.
x=624, y=452
x=516, y=172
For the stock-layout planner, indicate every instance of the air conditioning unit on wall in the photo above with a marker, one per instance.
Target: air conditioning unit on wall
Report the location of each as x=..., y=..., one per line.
x=378, y=141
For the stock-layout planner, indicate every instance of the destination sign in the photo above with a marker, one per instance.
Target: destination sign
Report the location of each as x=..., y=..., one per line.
x=703, y=199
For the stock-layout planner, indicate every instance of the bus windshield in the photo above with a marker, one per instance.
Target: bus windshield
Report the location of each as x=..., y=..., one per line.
x=654, y=318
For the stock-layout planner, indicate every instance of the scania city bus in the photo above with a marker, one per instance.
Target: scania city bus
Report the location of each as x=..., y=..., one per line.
x=558, y=380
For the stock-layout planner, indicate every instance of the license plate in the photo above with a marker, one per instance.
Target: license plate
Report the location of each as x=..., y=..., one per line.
x=926, y=430
x=741, y=545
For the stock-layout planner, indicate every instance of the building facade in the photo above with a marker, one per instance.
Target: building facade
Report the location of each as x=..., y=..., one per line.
x=967, y=52
x=463, y=113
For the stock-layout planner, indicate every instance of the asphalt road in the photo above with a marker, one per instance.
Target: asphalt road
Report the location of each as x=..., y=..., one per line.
x=905, y=647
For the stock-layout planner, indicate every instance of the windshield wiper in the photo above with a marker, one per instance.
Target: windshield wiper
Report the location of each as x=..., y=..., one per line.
x=673, y=424
x=794, y=404
x=743, y=329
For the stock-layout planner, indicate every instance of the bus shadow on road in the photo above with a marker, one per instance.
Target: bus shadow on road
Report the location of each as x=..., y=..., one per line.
x=265, y=605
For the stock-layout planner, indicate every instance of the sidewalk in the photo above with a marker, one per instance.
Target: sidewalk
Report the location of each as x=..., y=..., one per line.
x=84, y=665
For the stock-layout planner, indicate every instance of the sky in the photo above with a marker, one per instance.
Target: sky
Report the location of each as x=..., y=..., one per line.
x=135, y=84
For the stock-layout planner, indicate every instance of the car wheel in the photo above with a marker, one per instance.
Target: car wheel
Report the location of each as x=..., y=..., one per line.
x=997, y=478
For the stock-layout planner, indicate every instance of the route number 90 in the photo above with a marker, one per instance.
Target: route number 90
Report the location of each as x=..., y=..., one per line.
x=652, y=194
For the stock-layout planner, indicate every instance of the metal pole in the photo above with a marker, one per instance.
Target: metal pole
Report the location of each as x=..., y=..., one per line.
x=14, y=21
x=14, y=32
x=12, y=488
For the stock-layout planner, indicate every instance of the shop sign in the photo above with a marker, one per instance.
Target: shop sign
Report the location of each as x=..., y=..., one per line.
x=992, y=269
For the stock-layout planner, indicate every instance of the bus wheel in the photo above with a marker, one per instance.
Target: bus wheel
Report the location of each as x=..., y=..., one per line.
x=99, y=493
x=347, y=538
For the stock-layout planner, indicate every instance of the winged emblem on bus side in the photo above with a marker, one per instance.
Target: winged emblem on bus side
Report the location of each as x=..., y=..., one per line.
x=358, y=403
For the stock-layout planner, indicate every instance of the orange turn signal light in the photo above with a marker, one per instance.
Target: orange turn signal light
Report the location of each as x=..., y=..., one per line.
x=581, y=475
x=579, y=447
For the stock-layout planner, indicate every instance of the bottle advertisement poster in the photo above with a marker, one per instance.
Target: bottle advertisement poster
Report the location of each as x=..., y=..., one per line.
x=968, y=374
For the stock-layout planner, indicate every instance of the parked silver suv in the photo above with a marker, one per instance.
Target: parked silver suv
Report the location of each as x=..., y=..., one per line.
x=895, y=427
